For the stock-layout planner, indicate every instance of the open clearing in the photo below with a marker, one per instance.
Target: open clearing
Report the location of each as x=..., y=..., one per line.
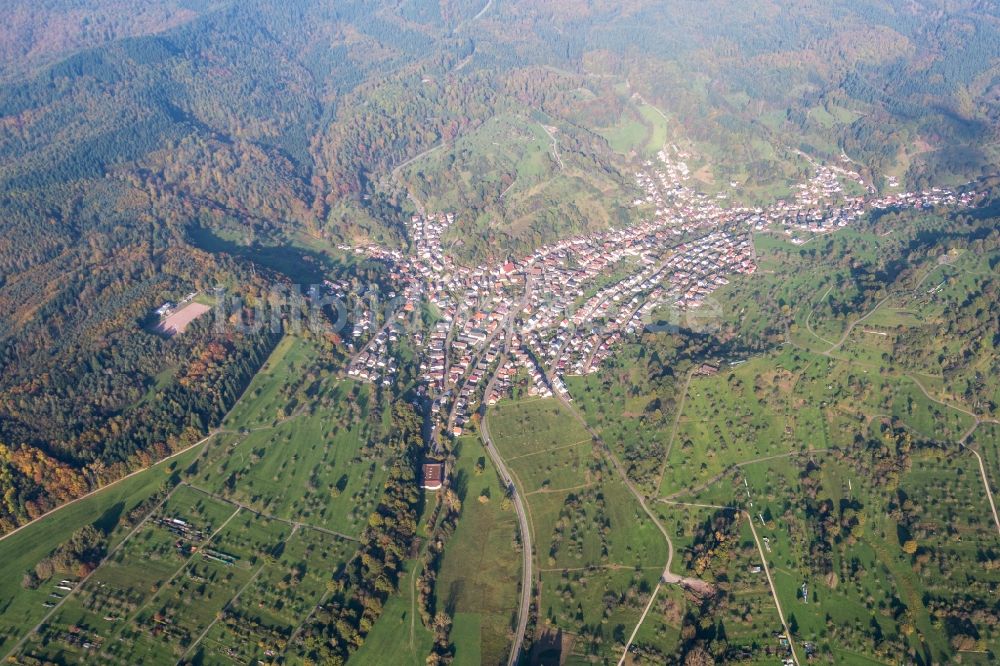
x=180, y=320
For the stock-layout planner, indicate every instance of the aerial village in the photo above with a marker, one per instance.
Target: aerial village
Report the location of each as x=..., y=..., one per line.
x=563, y=309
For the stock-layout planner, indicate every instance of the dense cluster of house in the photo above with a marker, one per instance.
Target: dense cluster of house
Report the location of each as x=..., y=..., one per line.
x=563, y=309
x=375, y=362
x=823, y=203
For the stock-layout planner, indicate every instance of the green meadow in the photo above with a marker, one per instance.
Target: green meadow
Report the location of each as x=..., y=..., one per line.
x=598, y=555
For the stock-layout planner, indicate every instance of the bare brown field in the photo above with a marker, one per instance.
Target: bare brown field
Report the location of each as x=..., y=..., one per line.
x=180, y=320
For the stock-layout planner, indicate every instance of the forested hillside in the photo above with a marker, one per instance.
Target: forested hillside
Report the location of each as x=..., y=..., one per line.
x=37, y=32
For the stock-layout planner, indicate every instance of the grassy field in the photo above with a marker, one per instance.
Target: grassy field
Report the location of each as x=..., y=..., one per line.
x=399, y=637
x=789, y=403
x=986, y=439
x=788, y=436
x=231, y=563
x=866, y=580
x=637, y=433
x=641, y=128
x=597, y=553
x=480, y=574
x=899, y=332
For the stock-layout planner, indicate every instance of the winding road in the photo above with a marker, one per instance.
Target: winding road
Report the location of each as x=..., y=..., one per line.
x=483, y=10
x=527, y=578
x=668, y=577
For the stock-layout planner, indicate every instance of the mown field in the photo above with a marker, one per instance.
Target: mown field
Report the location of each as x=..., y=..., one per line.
x=481, y=571
x=641, y=129
x=399, y=637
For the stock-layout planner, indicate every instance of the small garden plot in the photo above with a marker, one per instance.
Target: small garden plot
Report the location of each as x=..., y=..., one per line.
x=191, y=515
x=184, y=610
x=114, y=510
x=290, y=587
x=121, y=589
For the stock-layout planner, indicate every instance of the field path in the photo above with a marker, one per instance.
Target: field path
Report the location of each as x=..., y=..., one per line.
x=180, y=569
x=642, y=618
x=507, y=189
x=555, y=147
x=850, y=327
x=246, y=507
x=673, y=430
x=977, y=420
x=986, y=484
x=809, y=317
x=628, y=84
x=774, y=591
x=847, y=331
x=230, y=602
x=668, y=577
x=402, y=165
x=413, y=601
x=735, y=466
